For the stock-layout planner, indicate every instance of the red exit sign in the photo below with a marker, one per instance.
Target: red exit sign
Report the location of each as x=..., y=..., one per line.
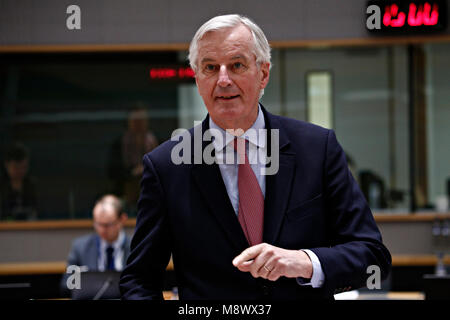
x=406, y=16
x=180, y=73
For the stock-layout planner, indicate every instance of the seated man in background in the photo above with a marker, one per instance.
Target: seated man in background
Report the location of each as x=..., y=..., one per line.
x=108, y=248
x=18, y=200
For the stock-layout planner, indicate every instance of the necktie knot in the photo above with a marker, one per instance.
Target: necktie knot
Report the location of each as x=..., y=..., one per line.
x=240, y=147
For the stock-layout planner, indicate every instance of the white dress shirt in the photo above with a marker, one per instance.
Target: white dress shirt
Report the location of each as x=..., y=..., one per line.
x=118, y=252
x=256, y=152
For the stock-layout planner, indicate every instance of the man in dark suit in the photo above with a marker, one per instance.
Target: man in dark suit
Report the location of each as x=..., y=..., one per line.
x=237, y=229
x=109, y=247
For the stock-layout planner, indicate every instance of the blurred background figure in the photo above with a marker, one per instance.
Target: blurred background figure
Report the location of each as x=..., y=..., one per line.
x=18, y=200
x=108, y=248
x=126, y=158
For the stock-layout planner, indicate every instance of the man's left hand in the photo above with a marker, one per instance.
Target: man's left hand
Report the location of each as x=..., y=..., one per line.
x=270, y=262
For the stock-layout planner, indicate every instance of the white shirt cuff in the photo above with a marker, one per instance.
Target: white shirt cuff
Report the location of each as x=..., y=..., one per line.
x=318, y=277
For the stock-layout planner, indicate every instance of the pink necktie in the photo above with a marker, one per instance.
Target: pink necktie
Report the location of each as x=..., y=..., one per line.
x=251, y=199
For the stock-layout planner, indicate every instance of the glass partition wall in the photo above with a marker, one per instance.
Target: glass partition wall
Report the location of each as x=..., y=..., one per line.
x=71, y=116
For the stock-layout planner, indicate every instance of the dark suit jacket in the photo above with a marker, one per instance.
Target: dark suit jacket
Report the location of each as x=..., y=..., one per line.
x=84, y=252
x=312, y=203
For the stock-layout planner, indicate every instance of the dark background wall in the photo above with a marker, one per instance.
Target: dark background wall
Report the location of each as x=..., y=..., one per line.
x=29, y=22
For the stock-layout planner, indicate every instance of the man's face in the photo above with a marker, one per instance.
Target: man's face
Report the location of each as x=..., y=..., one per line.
x=228, y=78
x=107, y=224
x=17, y=170
x=137, y=121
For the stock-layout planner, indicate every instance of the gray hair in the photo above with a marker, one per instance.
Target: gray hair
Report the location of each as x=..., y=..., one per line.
x=261, y=47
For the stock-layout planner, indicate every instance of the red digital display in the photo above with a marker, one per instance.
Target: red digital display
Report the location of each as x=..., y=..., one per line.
x=407, y=16
x=417, y=15
x=172, y=73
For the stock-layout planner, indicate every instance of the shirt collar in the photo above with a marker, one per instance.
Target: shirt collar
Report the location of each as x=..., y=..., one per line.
x=116, y=244
x=227, y=137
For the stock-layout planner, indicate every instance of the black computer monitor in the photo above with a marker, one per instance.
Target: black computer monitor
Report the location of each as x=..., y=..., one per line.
x=96, y=285
x=15, y=291
x=436, y=287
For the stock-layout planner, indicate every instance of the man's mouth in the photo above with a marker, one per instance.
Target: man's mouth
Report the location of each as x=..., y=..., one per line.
x=227, y=97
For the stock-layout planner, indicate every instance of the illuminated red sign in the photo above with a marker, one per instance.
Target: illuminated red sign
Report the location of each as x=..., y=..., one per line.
x=172, y=73
x=412, y=15
x=417, y=15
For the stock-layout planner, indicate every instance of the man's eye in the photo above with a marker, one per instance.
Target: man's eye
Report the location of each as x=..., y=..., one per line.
x=238, y=67
x=210, y=67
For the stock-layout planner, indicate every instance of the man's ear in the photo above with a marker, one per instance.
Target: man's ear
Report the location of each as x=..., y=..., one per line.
x=265, y=72
x=123, y=217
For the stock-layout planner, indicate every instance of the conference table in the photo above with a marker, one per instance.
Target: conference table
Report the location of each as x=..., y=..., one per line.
x=59, y=267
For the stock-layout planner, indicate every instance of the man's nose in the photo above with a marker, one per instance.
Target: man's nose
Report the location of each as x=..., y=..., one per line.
x=224, y=79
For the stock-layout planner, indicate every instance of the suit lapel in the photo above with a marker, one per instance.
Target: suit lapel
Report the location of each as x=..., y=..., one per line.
x=278, y=186
x=126, y=250
x=278, y=190
x=210, y=183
